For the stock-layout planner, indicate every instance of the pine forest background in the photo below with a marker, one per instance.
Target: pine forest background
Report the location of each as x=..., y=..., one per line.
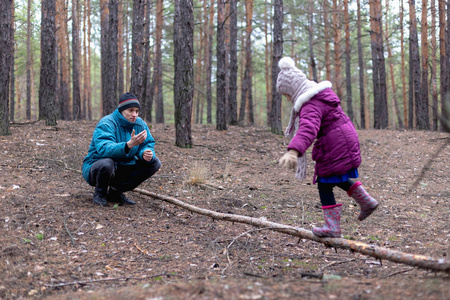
x=387, y=60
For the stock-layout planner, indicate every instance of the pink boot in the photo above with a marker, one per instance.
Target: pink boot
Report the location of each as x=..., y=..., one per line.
x=332, y=227
x=365, y=201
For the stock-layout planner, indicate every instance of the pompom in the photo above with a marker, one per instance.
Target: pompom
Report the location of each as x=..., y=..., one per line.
x=286, y=63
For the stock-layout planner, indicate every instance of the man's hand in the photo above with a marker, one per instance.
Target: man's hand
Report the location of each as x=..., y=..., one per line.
x=136, y=140
x=289, y=159
x=148, y=155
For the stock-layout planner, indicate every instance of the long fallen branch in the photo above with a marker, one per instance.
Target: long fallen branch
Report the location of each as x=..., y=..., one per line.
x=420, y=261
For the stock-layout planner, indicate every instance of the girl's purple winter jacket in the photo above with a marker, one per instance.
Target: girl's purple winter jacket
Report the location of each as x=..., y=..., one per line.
x=336, y=150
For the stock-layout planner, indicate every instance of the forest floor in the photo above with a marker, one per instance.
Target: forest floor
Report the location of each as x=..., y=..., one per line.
x=56, y=244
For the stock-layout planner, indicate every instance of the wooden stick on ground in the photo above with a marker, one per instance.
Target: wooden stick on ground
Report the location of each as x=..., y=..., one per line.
x=420, y=261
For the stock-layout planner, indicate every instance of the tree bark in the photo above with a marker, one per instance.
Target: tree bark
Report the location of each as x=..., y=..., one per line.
x=267, y=66
x=420, y=261
x=209, y=64
x=381, y=120
x=422, y=111
x=402, y=53
x=233, y=66
x=76, y=62
x=433, y=79
x=277, y=39
x=184, y=72
x=221, y=123
x=348, y=73
x=414, y=57
x=391, y=69
x=337, y=48
x=137, y=59
x=29, y=63
x=49, y=64
x=6, y=58
x=63, y=51
x=12, y=81
x=120, y=50
x=362, y=98
x=326, y=36
x=246, y=95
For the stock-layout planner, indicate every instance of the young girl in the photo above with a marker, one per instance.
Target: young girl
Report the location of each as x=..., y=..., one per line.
x=317, y=114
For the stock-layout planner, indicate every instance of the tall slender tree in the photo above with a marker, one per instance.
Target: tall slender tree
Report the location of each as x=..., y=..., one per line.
x=362, y=98
x=348, y=71
x=381, y=119
x=49, y=64
x=221, y=86
x=29, y=62
x=233, y=66
x=402, y=54
x=247, y=96
x=6, y=59
x=312, y=59
x=275, y=116
x=209, y=64
x=137, y=60
x=76, y=62
x=414, y=58
x=422, y=111
x=184, y=75
x=157, y=72
x=433, y=78
x=12, y=85
x=63, y=57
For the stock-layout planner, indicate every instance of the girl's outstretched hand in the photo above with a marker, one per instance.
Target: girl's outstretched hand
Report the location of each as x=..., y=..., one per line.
x=289, y=159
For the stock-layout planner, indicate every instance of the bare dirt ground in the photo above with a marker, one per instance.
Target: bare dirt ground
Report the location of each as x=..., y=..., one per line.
x=56, y=244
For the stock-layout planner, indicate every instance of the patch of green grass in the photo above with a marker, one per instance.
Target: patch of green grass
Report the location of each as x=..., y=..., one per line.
x=40, y=236
x=26, y=241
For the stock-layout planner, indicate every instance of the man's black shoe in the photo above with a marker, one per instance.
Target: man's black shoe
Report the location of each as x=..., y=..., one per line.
x=100, y=199
x=120, y=198
x=125, y=200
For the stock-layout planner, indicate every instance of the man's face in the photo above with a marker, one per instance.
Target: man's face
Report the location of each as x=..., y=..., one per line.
x=131, y=114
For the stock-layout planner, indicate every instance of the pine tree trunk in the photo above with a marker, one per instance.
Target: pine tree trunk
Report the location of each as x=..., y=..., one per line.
x=422, y=111
x=221, y=123
x=267, y=65
x=326, y=36
x=76, y=63
x=311, y=41
x=362, y=98
x=209, y=64
x=13, y=78
x=29, y=64
x=277, y=39
x=157, y=73
x=233, y=66
x=433, y=79
x=49, y=64
x=6, y=61
x=415, y=60
x=391, y=69
x=348, y=74
x=402, y=46
x=381, y=120
x=120, y=51
x=137, y=60
x=337, y=48
x=63, y=51
x=184, y=75
x=147, y=59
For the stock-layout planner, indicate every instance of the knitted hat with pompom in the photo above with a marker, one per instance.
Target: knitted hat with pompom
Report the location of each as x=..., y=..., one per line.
x=291, y=80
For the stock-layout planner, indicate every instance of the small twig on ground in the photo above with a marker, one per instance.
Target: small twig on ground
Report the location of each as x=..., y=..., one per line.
x=336, y=263
x=68, y=232
x=399, y=272
x=84, y=282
